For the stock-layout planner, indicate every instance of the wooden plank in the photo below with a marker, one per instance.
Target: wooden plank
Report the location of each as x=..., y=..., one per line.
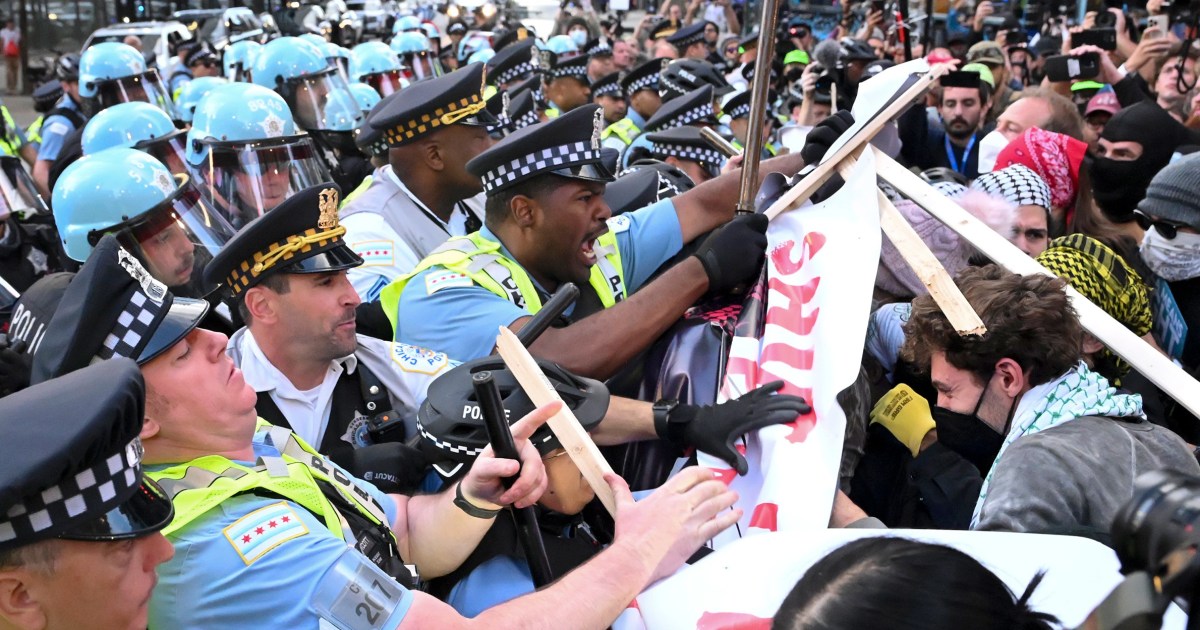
x=1142, y=356
x=579, y=445
x=810, y=183
x=924, y=263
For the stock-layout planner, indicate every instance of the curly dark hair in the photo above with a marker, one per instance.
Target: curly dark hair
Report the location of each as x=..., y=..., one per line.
x=1029, y=320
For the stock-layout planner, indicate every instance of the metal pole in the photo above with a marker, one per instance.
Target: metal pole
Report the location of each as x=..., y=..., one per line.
x=758, y=105
x=902, y=32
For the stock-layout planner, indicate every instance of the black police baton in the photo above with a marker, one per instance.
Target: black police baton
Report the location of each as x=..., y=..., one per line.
x=500, y=436
x=565, y=296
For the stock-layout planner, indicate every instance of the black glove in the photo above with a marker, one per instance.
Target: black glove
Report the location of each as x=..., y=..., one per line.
x=15, y=367
x=733, y=253
x=714, y=428
x=393, y=467
x=824, y=135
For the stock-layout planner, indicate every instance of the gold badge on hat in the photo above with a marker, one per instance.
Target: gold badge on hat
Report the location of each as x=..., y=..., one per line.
x=597, y=124
x=329, y=209
x=504, y=114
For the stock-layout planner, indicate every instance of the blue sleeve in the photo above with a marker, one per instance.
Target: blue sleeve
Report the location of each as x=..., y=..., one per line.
x=647, y=238
x=54, y=131
x=492, y=583
x=257, y=562
x=461, y=321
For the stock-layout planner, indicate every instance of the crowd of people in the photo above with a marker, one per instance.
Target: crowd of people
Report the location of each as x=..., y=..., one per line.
x=253, y=290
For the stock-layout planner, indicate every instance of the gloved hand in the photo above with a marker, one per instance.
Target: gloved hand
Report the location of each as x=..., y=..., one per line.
x=394, y=467
x=733, y=253
x=906, y=415
x=15, y=367
x=714, y=428
x=824, y=135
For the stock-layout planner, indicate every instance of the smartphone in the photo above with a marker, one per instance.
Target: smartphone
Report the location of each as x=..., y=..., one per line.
x=1105, y=38
x=1161, y=23
x=1070, y=68
x=878, y=5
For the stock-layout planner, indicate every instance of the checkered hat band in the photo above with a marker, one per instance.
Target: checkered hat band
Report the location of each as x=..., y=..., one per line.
x=548, y=159
x=90, y=490
x=470, y=452
x=601, y=47
x=609, y=89
x=429, y=121
x=1016, y=183
x=688, y=117
x=243, y=274
x=528, y=118
x=519, y=71
x=696, y=154
x=741, y=111
x=644, y=83
x=684, y=43
x=134, y=326
x=575, y=71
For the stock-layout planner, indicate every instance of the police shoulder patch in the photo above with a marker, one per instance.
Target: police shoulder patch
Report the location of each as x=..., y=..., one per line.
x=619, y=223
x=437, y=280
x=264, y=529
x=418, y=360
x=380, y=253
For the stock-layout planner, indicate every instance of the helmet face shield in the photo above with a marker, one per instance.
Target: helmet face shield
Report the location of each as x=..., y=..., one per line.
x=170, y=150
x=310, y=97
x=245, y=180
x=422, y=65
x=17, y=193
x=176, y=239
x=146, y=87
x=386, y=83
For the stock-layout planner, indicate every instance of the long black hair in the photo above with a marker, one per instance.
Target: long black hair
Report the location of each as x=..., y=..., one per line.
x=900, y=584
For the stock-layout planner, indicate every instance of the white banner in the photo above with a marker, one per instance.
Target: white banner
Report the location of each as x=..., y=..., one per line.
x=821, y=268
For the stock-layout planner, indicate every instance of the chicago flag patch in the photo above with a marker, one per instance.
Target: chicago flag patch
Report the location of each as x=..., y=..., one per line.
x=264, y=529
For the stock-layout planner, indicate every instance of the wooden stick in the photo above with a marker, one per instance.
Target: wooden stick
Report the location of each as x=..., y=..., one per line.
x=811, y=182
x=1150, y=362
x=579, y=445
x=923, y=263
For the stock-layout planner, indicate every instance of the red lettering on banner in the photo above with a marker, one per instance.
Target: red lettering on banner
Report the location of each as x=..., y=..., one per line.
x=731, y=621
x=766, y=516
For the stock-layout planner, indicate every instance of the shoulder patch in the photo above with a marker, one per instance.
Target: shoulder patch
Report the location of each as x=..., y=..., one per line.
x=59, y=128
x=264, y=529
x=418, y=360
x=437, y=280
x=381, y=253
x=619, y=223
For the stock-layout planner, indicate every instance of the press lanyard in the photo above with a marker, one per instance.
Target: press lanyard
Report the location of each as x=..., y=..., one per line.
x=966, y=155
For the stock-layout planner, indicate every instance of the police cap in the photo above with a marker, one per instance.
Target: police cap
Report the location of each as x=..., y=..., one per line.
x=425, y=106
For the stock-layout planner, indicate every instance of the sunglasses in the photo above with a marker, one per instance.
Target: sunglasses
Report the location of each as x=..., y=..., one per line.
x=732, y=49
x=1168, y=229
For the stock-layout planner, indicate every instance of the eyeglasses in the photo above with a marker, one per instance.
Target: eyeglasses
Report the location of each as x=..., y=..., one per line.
x=1168, y=229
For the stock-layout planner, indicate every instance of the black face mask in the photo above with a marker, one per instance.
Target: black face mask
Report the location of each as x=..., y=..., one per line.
x=968, y=435
x=1118, y=186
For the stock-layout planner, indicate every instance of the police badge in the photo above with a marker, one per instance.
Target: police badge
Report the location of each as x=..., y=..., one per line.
x=329, y=209
x=597, y=127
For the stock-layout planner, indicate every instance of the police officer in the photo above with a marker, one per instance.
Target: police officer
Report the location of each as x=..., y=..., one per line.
x=686, y=149
x=513, y=64
x=607, y=93
x=79, y=523
x=694, y=108
x=641, y=86
x=256, y=505
x=546, y=224
x=420, y=199
x=737, y=107
x=567, y=83
x=195, y=60
x=66, y=116
x=160, y=219
x=299, y=351
x=690, y=41
x=140, y=126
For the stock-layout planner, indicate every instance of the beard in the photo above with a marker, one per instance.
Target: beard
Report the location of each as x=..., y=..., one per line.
x=959, y=128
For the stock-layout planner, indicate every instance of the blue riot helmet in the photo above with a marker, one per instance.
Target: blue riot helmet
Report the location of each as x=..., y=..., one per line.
x=481, y=56
x=339, y=58
x=192, y=93
x=111, y=73
x=237, y=59
x=160, y=218
x=314, y=39
x=297, y=70
x=434, y=35
x=562, y=45
x=247, y=152
x=365, y=95
x=140, y=126
x=374, y=64
x=406, y=24
x=416, y=54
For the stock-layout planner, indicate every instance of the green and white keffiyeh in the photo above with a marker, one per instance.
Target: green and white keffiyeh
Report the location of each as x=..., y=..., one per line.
x=1080, y=392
